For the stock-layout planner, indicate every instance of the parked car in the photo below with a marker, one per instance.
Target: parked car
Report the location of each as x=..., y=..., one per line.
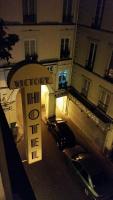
x=96, y=181
x=76, y=152
x=61, y=132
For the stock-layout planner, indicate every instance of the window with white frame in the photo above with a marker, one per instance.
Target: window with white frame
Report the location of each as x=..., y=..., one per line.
x=85, y=87
x=30, y=48
x=67, y=10
x=91, y=56
x=104, y=99
x=29, y=11
x=65, y=48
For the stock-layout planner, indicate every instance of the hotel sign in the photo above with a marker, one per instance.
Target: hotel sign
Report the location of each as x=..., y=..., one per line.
x=30, y=82
x=29, y=79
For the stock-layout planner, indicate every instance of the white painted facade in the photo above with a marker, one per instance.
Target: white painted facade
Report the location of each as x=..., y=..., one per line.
x=101, y=35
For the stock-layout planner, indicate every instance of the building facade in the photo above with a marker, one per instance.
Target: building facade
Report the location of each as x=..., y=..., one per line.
x=47, y=32
x=81, y=62
x=92, y=76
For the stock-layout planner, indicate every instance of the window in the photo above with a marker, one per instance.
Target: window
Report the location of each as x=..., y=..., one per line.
x=104, y=99
x=63, y=80
x=109, y=72
x=29, y=11
x=91, y=57
x=30, y=49
x=67, y=10
x=34, y=155
x=85, y=87
x=34, y=142
x=33, y=97
x=64, y=50
x=99, y=14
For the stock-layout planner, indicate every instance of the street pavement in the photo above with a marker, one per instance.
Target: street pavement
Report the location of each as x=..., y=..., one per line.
x=52, y=178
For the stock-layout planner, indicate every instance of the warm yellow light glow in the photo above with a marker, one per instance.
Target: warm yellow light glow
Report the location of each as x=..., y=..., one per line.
x=44, y=88
x=44, y=92
x=61, y=103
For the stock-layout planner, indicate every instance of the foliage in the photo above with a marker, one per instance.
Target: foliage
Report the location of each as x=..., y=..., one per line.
x=6, y=42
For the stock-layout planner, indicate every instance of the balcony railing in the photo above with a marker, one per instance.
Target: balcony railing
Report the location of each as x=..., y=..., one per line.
x=67, y=19
x=102, y=106
x=92, y=107
x=65, y=53
x=29, y=19
x=31, y=58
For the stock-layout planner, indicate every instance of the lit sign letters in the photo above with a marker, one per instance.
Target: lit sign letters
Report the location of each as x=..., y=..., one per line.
x=29, y=78
x=31, y=82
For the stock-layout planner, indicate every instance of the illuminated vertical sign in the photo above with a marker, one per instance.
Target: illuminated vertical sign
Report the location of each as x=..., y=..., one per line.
x=30, y=84
x=32, y=121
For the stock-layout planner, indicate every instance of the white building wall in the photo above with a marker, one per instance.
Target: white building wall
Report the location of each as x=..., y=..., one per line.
x=11, y=11
x=49, y=11
x=48, y=40
x=86, y=125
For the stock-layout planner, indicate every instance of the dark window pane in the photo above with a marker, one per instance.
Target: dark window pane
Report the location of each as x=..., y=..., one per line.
x=29, y=11
x=69, y=7
x=67, y=11
x=92, y=55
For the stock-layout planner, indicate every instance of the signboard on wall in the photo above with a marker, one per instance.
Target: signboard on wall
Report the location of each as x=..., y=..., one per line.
x=29, y=79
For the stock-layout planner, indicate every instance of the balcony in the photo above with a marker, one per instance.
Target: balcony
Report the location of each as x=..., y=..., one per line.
x=31, y=58
x=67, y=19
x=92, y=107
x=29, y=19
